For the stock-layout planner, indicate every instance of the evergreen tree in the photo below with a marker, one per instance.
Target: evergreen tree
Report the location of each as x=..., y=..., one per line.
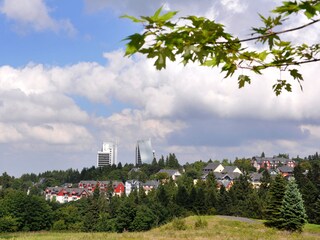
x=125, y=216
x=199, y=203
x=224, y=202
x=162, y=196
x=161, y=162
x=317, y=211
x=308, y=191
x=275, y=196
x=182, y=197
x=172, y=161
x=91, y=217
x=292, y=210
x=211, y=192
x=239, y=193
x=144, y=219
x=192, y=198
x=310, y=194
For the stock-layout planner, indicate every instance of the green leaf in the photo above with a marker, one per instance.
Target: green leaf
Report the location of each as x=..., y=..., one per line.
x=168, y=15
x=157, y=13
x=210, y=63
x=295, y=74
x=243, y=79
x=288, y=87
x=161, y=61
x=134, y=19
x=136, y=42
x=262, y=55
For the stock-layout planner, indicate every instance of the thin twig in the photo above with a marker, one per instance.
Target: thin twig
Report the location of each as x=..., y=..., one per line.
x=272, y=33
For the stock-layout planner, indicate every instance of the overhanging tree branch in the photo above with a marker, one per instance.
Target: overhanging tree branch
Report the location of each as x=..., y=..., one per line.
x=204, y=41
x=274, y=33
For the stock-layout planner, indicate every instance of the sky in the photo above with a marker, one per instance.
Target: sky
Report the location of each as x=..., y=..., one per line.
x=65, y=87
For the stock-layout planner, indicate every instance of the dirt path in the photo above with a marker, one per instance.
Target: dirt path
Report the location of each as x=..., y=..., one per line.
x=241, y=219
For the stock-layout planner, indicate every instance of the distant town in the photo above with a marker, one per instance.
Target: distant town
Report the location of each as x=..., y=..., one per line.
x=136, y=197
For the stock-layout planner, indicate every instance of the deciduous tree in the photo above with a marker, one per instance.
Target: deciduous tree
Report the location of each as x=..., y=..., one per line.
x=207, y=42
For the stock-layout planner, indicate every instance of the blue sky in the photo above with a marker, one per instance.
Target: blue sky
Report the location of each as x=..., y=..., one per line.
x=65, y=87
x=94, y=33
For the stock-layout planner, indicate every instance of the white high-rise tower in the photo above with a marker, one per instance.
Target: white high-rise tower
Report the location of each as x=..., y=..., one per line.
x=108, y=154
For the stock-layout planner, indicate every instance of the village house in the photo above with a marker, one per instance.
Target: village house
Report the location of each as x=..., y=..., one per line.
x=255, y=179
x=147, y=186
x=286, y=171
x=271, y=162
x=172, y=173
x=224, y=175
x=64, y=195
x=90, y=186
x=132, y=185
x=213, y=167
x=150, y=186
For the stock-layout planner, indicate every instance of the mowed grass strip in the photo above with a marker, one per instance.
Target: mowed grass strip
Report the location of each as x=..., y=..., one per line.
x=218, y=228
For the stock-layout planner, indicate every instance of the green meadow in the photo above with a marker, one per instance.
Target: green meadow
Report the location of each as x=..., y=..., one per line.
x=218, y=228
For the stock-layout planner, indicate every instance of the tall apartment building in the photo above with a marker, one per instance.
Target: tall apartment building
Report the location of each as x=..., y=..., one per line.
x=144, y=152
x=108, y=154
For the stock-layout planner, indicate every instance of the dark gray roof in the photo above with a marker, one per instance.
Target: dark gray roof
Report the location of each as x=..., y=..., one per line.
x=229, y=169
x=114, y=183
x=54, y=189
x=218, y=175
x=285, y=169
x=170, y=172
x=272, y=160
x=153, y=183
x=211, y=166
x=204, y=176
x=92, y=182
x=231, y=176
x=75, y=191
x=134, y=170
x=255, y=177
x=67, y=185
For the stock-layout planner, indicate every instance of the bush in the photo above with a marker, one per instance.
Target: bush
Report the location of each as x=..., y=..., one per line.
x=75, y=227
x=179, y=224
x=59, y=225
x=8, y=224
x=200, y=223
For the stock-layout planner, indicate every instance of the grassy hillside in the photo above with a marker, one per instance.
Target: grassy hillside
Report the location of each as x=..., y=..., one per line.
x=218, y=228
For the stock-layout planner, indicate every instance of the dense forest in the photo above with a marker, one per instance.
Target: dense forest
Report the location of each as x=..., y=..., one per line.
x=23, y=206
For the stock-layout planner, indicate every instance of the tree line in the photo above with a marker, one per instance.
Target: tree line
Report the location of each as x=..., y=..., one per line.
x=273, y=201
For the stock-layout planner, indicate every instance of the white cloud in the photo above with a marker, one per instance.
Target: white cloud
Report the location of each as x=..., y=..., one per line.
x=234, y=5
x=129, y=125
x=33, y=14
x=9, y=134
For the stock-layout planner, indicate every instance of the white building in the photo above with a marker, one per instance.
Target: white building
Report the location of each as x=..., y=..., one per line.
x=108, y=154
x=144, y=152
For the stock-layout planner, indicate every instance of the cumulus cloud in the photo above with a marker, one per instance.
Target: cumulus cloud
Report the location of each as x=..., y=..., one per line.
x=33, y=14
x=192, y=111
x=129, y=125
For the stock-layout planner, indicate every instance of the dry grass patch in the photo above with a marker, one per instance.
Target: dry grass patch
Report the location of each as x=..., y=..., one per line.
x=218, y=228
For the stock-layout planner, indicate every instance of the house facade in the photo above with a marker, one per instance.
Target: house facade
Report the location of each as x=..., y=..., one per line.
x=172, y=173
x=64, y=195
x=90, y=186
x=212, y=167
x=225, y=176
x=271, y=162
